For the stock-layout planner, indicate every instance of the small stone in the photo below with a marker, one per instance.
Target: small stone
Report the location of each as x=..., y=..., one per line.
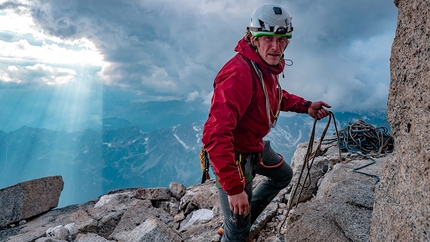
x=179, y=217
x=178, y=190
x=59, y=232
x=216, y=210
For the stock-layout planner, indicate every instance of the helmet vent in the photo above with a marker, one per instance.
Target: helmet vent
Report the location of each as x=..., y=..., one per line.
x=262, y=24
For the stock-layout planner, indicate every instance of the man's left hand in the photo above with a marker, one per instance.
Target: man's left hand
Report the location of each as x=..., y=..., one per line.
x=316, y=110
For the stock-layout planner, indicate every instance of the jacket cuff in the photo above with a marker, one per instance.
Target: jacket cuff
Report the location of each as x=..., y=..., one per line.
x=235, y=190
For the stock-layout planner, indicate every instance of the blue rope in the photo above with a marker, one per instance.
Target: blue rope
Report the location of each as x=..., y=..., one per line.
x=356, y=170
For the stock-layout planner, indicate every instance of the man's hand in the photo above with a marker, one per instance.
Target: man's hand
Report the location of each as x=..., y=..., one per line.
x=316, y=110
x=239, y=203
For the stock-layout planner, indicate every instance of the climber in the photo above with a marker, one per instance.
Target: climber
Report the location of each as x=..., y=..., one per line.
x=246, y=103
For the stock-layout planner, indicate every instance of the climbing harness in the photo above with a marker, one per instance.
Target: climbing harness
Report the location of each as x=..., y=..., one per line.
x=260, y=161
x=240, y=169
x=204, y=164
x=241, y=160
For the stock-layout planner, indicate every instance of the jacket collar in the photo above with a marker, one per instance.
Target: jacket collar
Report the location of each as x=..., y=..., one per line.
x=243, y=47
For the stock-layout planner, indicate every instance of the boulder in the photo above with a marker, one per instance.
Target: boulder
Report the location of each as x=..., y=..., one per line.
x=206, y=198
x=28, y=199
x=178, y=190
x=136, y=215
x=152, y=230
x=153, y=193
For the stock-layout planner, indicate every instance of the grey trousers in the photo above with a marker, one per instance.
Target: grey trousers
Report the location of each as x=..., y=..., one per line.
x=236, y=227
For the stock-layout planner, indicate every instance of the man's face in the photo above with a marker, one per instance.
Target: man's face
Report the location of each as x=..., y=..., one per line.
x=270, y=48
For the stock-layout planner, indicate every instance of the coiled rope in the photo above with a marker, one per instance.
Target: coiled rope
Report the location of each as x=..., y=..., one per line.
x=358, y=138
x=367, y=141
x=366, y=138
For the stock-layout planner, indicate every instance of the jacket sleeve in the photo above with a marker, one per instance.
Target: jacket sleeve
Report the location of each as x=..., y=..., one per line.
x=232, y=95
x=293, y=103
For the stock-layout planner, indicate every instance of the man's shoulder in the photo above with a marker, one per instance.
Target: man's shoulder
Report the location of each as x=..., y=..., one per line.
x=237, y=70
x=238, y=61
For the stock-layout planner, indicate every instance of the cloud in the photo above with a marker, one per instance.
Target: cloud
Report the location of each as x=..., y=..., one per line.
x=176, y=37
x=195, y=95
x=22, y=51
x=41, y=75
x=341, y=52
x=31, y=58
x=168, y=49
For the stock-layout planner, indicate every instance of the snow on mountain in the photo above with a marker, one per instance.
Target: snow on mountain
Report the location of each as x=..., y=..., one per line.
x=123, y=155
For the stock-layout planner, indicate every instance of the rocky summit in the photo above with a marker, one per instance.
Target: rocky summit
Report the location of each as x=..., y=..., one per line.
x=336, y=205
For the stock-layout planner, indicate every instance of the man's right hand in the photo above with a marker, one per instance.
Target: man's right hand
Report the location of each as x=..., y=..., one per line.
x=239, y=203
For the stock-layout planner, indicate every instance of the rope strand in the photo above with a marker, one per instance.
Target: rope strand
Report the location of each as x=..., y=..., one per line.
x=308, y=162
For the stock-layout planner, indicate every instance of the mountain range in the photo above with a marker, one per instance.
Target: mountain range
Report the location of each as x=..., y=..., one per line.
x=157, y=143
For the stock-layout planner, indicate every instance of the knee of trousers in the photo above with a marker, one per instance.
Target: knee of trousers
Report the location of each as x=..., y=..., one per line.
x=285, y=175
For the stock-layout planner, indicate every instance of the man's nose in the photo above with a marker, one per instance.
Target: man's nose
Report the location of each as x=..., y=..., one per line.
x=275, y=45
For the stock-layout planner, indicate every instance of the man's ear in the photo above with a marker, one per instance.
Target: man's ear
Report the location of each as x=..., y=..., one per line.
x=255, y=42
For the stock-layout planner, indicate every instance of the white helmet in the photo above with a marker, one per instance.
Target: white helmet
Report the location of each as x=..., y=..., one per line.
x=271, y=20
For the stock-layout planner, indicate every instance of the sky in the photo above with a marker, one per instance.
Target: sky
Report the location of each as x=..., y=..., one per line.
x=69, y=53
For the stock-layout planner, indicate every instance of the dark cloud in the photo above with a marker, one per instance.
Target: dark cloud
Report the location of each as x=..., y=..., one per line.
x=172, y=48
x=339, y=22
x=11, y=5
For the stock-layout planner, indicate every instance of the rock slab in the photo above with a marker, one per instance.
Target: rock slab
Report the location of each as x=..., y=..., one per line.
x=30, y=198
x=402, y=198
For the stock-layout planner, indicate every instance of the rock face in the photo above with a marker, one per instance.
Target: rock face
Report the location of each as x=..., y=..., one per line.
x=402, y=199
x=28, y=199
x=336, y=203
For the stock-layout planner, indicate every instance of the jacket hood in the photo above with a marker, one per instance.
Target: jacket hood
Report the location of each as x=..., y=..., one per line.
x=244, y=47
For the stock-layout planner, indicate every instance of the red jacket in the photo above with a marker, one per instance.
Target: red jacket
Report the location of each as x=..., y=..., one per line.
x=237, y=116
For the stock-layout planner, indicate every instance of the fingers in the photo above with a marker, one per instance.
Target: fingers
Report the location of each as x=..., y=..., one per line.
x=246, y=209
x=316, y=110
x=325, y=104
x=239, y=203
x=322, y=113
x=319, y=105
x=240, y=209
